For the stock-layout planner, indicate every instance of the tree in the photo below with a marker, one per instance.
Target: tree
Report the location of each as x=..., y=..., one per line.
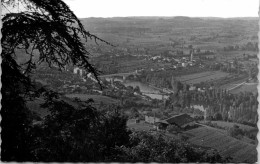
x=46, y=29
x=218, y=116
x=137, y=89
x=173, y=128
x=134, y=112
x=113, y=132
x=78, y=134
x=144, y=147
x=236, y=132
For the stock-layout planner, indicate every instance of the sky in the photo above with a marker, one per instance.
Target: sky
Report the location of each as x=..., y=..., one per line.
x=191, y=8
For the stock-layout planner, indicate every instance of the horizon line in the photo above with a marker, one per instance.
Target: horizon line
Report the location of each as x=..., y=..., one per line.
x=170, y=17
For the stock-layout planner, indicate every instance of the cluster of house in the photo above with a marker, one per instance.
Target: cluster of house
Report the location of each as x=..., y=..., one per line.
x=180, y=121
x=176, y=61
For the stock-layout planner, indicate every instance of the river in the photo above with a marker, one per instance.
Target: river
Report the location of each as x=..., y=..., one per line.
x=144, y=88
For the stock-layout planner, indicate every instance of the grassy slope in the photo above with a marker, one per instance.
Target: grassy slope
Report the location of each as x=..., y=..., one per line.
x=202, y=77
x=226, y=145
x=230, y=124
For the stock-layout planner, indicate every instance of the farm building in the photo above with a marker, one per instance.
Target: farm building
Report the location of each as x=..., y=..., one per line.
x=181, y=121
x=161, y=125
x=184, y=64
x=200, y=107
x=192, y=88
x=137, y=120
x=152, y=118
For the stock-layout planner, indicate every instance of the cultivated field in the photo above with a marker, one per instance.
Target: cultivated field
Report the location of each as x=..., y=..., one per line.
x=223, y=56
x=202, y=77
x=231, y=124
x=247, y=87
x=242, y=86
x=139, y=126
x=226, y=145
x=232, y=84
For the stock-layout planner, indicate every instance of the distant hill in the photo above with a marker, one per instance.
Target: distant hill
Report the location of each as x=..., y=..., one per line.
x=162, y=24
x=154, y=31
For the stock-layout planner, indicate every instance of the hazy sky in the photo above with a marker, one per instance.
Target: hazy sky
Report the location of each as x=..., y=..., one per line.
x=192, y=8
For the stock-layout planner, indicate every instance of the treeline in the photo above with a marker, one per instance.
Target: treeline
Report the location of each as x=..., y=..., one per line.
x=163, y=79
x=63, y=81
x=249, y=46
x=237, y=132
x=240, y=107
x=249, y=70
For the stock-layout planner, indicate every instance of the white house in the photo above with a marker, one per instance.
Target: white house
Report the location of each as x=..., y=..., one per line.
x=151, y=119
x=78, y=71
x=184, y=64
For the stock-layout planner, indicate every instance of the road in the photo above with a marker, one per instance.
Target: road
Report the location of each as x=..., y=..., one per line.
x=118, y=74
x=238, y=85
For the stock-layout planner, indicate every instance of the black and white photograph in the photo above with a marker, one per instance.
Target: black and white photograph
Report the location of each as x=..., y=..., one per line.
x=127, y=81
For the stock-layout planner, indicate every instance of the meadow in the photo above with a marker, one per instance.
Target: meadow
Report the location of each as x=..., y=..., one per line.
x=245, y=88
x=202, y=77
x=227, y=146
x=231, y=124
x=142, y=126
x=242, y=86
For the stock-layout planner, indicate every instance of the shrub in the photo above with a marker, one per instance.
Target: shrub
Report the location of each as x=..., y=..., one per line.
x=218, y=116
x=172, y=128
x=236, y=132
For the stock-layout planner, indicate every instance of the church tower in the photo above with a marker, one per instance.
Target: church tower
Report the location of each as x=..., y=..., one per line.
x=191, y=55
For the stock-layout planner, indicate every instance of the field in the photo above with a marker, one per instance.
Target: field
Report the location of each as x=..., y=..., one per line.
x=210, y=137
x=139, y=126
x=230, y=55
x=230, y=124
x=232, y=84
x=152, y=31
x=245, y=88
x=143, y=126
x=250, y=86
x=226, y=145
x=202, y=77
x=96, y=98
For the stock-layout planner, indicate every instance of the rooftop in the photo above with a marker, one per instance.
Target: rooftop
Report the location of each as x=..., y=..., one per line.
x=180, y=119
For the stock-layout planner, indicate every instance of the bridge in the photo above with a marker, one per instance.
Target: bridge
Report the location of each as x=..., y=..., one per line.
x=158, y=93
x=124, y=75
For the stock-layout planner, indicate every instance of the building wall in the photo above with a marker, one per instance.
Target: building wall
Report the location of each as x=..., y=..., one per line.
x=78, y=71
x=151, y=119
x=161, y=126
x=188, y=124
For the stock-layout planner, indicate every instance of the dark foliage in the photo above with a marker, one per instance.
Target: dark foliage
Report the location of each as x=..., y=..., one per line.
x=145, y=147
x=50, y=29
x=77, y=133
